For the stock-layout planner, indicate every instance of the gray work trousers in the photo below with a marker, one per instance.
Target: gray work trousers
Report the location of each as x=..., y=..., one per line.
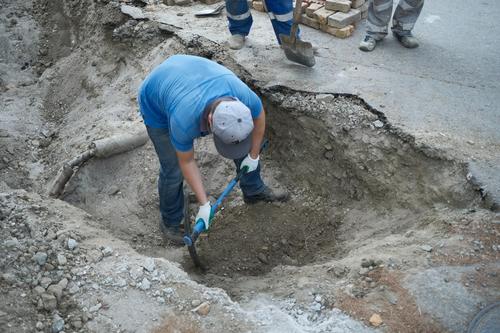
x=379, y=14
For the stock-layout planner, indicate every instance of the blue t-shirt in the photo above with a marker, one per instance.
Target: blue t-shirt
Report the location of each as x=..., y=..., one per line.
x=176, y=93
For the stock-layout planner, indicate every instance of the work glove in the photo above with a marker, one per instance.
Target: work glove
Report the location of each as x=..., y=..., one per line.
x=204, y=214
x=250, y=163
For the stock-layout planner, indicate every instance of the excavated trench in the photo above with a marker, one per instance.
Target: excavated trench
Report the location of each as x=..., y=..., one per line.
x=351, y=175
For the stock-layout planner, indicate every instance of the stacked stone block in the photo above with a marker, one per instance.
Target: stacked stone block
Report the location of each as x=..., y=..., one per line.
x=336, y=17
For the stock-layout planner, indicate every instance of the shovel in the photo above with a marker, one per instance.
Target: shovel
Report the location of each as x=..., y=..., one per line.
x=210, y=12
x=296, y=50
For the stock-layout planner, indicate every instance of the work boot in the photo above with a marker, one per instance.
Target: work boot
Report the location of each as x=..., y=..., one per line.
x=171, y=235
x=236, y=42
x=408, y=41
x=267, y=195
x=368, y=44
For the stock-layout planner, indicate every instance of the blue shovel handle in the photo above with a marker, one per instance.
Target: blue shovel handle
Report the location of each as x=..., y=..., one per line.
x=199, y=227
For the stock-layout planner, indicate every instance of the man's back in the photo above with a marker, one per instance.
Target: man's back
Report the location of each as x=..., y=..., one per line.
x=176, y=93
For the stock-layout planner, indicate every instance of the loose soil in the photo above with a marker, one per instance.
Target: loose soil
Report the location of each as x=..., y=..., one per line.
x=361, y=191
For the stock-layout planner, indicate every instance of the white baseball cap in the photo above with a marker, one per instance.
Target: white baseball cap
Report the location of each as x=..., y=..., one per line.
x=232, y=126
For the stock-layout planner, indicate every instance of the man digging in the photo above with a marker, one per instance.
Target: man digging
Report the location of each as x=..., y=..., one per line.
x=187, y=97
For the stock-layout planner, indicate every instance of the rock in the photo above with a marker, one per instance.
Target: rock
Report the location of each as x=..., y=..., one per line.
x=315, y=306
x=57, y=324
x=318, y=299
x=327, y=98
x=38, y=290
x=9, y=278
x=72, y=244
x=136, y=273
x=95, y=308
x=203, y=309
x=195, y=303
x=73, y=289
x=426, y=248
x=149, y=264
x=55, y=290
x=134, y=12
x=375, y=320
x=262, y=258
x=11, y=243
x=61, y=259
x=145, y=284
x=378, y=124
x=39, y=325
x=107, y=251
x=40, y=258
x=45, y=282
x=63, y=283
x=77, y=323
x=49, y=302
x=121, y=283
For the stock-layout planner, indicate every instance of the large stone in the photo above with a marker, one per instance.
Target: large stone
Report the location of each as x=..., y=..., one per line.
x=45, y=282
x=322, y=15
x=343, y=6
x=149, y=264
x=341, y=20
x=312, y=8
x=55, y=290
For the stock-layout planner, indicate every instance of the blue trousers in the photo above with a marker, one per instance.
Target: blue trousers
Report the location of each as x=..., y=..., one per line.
x=170, y=180
x=240, y=18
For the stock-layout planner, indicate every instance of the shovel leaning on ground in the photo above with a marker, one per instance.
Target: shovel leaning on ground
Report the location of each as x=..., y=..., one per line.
x=295, y=49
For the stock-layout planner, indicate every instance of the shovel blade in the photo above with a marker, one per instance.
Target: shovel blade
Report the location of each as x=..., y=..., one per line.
x=300, y=52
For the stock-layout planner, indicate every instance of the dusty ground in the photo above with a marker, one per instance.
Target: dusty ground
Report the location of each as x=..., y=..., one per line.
x=377, y=224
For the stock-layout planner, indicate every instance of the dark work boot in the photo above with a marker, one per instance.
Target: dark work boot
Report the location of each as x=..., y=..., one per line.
x=171, y=235
x=408, y=41
x=268, y=195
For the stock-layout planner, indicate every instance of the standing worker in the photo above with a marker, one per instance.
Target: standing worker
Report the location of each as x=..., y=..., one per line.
x=240, y=19
x=379, y=15
x=187, y=97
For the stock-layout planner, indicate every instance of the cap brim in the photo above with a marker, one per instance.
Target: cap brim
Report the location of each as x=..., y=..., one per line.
x=233, y=151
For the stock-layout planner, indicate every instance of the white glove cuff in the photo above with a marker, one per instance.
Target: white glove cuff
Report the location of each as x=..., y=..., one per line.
x=253, y=160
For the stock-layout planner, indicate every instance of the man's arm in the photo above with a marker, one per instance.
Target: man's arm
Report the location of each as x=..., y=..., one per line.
x=259, y=127
x=192, y=175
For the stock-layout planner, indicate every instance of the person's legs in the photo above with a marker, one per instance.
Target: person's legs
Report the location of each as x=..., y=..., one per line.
x=170, y=180
x=240, y=21
x=379, y=14
x=405, y=16
x=404, y=19
x=281, y=14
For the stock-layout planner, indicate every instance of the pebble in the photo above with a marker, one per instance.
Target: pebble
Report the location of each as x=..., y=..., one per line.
x=95, y=308
x=45, y=282
x=378, y=124
x=40, y=258
x=39, y=325
x=426, y=248
x=376, y=320
x=195, y=303
x=49, y=302
x=318, y=299
x=11, y=243
x=263, y=258
x=107, y=251
x=57, y=324
x=145, y=284
x=315, y=307
x=61, y=259
x=149, y=264
x=72, y=244
x=203, y=309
